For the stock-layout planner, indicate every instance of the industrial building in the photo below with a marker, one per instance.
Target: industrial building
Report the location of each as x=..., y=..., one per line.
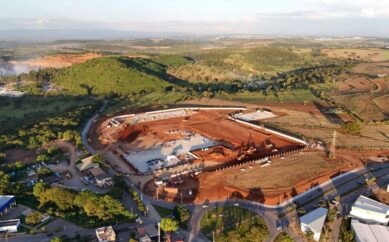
x=369, y=232
x=6, y=202
x=314, y=222
x=370, y=211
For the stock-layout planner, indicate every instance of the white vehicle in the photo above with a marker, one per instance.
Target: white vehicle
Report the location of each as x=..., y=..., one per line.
x=236, y=204
x=206, y=204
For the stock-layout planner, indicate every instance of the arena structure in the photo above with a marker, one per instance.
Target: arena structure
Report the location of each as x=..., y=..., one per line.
x=189, y=140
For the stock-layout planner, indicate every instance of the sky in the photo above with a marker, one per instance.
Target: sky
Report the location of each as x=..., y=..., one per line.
x=266, y=17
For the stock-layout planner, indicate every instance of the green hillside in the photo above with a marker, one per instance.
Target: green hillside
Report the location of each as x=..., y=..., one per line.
x=230, y=63
x=119, y=75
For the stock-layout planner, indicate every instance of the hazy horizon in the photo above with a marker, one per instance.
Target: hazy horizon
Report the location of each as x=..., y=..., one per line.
x=281, y=17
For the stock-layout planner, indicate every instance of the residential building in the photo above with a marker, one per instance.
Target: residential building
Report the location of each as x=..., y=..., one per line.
x=10, y=226
x=6, y=201
x=370, y=211
x=369, y=232
x=106, y=234
x=314, y=222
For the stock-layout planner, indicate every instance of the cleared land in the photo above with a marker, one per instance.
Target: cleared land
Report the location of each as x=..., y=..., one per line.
x=284, y=173
x=58, y=61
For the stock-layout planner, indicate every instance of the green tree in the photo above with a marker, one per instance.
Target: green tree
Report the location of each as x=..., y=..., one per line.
x=39, y=188
x=169, y=225
x=56, y=239
x=4, y=182
x=62, y=198
x=348, y=236
x=44, y=172
x=33, y=218
x=2, y=156
x=99, y=159
x=182, y=214
x=283, y=237
x=352, y=127
x=256, y=233
x=309, y=234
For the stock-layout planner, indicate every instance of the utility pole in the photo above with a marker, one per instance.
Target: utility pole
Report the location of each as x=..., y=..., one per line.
x=159, y=232
x=333, y=146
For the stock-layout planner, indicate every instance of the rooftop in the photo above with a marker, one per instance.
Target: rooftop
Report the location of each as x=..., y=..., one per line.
x=369, y=232
x=370, y=204
x=99, y=173
x=5, y=201
x=106, y=233
x=315, y=219
x=11, y=222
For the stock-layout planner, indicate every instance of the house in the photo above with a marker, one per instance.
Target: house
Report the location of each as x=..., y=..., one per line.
x=105, y=234
x=10, y=226
x=314, y=222
x=102, y=179
x=370, y=211
x=6, y=201
x=369, y=232
x=86, y=164
x=147, y=233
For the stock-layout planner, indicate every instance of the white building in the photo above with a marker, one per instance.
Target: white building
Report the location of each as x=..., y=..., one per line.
x=314, y=222
x=105, y=234
x=86, y=164
x=369, y=232
x=370, y=211
x=10, y=226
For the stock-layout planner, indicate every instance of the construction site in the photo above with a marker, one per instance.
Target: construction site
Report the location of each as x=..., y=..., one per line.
x=186, y=151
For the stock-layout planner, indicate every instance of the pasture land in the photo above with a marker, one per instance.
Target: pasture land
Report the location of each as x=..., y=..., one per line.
x=368, y=54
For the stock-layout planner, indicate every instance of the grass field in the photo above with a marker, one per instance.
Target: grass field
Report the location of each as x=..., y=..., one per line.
x=287, y=96
x=369, y=54
x=225, y=219
x=154, y=98
x=20, y=108
x=319, y=126
x=163, y=212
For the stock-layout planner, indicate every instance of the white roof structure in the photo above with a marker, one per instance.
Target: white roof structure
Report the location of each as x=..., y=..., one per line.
x=369, y=210
x=369, y=232
x=314, y=221
x=86, y=164
x=106, y=234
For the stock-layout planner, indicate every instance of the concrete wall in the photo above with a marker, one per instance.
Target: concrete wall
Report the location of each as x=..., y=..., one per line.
x=301, y=141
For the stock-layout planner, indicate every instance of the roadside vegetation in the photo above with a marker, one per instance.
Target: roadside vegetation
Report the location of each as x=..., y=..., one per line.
x=233, y=224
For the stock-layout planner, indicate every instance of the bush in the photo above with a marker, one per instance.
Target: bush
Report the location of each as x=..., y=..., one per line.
x=352, y=127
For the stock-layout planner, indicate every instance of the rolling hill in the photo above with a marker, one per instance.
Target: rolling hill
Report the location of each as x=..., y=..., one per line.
x=119, y=75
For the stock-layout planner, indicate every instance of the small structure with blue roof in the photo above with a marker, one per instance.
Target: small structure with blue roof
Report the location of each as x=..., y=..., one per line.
x=6, y=201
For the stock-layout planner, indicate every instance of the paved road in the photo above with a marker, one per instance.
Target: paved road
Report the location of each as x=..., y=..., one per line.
x=84, y=132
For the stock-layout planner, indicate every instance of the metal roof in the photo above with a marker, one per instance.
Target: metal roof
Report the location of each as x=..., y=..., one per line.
x=315, y=219
x=5, y=201
x=7, y=223
x=369, y=232
x=371, y=205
